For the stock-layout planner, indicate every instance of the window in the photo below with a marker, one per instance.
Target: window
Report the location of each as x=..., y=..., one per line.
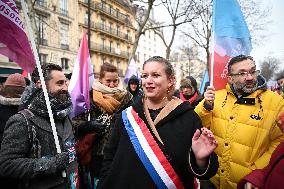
x=42, y=58
x=41, y=3
x=64, y=63
x=117, y=29
x=103, y=23
x=64, y=36
x=41, y=26
x=86, y=18
x=64, y=7
x=110, y=27
x=103, y=43
x=110, y=46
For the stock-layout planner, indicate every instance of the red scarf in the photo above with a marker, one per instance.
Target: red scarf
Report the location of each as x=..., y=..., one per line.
x=191, y=100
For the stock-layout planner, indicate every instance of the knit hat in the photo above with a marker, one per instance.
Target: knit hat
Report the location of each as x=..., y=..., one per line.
x=16, y=80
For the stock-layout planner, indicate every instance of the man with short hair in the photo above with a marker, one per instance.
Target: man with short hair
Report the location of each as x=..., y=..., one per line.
x=243, y=117
x=28, y=150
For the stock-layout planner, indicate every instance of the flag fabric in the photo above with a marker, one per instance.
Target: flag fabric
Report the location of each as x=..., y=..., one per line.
x=231, y=37
x=205, y=79
x=132, y=69
x=81, y=80
x=13, y=40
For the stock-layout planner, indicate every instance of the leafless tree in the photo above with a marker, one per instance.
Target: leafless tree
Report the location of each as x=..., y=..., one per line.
x=199, y=30
x=179, y=11
x=142, y=12
x=269, y=67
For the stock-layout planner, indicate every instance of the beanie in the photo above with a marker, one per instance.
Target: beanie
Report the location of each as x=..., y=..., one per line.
x=16, y=80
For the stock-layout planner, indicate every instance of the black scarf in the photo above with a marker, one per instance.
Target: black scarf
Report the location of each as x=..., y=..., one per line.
x=60, y=108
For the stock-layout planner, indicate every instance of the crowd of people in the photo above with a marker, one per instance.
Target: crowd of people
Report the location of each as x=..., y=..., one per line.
x=146, y=135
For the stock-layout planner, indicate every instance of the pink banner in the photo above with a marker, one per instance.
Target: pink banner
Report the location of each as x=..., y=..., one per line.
x=13, y=40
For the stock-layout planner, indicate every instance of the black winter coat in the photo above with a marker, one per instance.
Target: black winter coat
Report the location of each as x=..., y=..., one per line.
x=122, y=167
x=17, y=160
x=8, y=107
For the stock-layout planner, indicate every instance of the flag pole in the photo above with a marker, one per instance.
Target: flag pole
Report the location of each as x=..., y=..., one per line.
x=212, y=44
x=212, y=59
x=42, y=80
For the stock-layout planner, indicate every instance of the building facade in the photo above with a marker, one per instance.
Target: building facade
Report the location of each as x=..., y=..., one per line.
x=188, y=63
x=111, y=31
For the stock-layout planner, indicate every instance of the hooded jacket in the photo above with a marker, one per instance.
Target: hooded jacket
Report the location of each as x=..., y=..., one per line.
x=245, y=129
x=138, y=93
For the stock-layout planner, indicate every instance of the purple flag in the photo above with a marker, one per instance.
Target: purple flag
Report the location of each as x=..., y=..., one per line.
x=13, y=40
x=81, y=80
x=132, y=69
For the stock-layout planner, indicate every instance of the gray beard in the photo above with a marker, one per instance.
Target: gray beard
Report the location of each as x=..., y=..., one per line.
x=240, y=89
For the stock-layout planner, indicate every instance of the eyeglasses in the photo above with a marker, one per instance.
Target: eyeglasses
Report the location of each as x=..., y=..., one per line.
x=245, y=74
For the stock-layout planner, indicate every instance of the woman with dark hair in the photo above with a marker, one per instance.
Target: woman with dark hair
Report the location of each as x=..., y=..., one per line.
x=107, y=99
x=158, y=142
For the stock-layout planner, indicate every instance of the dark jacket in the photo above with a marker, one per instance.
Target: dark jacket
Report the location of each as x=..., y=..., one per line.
x=100, y=126
x=138, y=93
x=8, y=107
x=272, y=176
x=30, y=155
x=122, y=167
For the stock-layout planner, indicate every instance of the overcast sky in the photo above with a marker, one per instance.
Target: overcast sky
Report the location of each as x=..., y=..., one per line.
x=274, y=46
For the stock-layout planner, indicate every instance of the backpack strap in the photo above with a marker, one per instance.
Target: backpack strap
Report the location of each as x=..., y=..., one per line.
x=35, y=145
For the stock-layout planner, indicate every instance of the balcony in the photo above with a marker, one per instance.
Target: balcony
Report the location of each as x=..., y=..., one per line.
x=113, y=32
x=64, y=46
x=108, y=50
x=92, y=23
x=112, y=13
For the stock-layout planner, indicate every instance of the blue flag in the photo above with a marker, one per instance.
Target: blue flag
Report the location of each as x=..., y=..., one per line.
x=231, y=37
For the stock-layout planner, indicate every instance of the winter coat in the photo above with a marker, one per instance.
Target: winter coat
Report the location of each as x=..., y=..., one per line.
x=138, y=93
x=8, y=107
x=245, y=129
x=30, y=155
x=123, y=169
x=272, y=176
x=93, y=135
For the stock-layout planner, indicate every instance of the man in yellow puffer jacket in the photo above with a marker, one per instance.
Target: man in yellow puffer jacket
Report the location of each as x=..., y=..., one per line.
x=243, y=118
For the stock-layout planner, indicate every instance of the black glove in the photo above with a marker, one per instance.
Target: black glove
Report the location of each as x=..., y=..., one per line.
x=52, y=165
x=90, y=127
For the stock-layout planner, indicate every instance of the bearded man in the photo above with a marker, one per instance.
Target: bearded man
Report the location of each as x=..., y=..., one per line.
x=28, y=150
x=243, y=117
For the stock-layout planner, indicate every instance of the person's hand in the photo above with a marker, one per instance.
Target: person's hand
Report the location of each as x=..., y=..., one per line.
x=209, y=96
x=249, y=185
x=203, y=144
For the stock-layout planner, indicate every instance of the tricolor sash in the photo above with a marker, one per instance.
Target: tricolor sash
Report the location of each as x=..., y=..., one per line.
x=149, y=152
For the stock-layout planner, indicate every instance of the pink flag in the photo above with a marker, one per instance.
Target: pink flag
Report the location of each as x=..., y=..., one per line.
x=81, y=80
x=13, y=40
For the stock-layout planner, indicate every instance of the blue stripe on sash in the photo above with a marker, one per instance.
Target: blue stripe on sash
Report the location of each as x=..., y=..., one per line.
x=140, y=152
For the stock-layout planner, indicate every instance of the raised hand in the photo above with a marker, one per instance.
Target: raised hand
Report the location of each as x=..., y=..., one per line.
x=203, y=144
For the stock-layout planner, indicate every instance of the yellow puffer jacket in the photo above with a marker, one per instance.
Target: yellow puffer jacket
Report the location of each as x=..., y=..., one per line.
x=246, y=132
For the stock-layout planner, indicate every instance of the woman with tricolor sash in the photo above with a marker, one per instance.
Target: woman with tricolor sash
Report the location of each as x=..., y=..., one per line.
x=158, y=142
